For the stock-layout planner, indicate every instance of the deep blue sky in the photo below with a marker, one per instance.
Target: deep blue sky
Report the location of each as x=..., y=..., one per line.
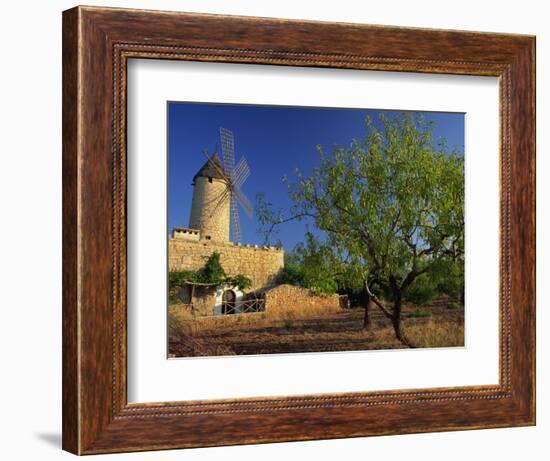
x=274, y=140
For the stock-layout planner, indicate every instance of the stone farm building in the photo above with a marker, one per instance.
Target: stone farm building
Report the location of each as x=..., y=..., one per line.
x=208, y=232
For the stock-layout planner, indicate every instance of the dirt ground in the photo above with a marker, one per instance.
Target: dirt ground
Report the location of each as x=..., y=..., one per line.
x=244, y=334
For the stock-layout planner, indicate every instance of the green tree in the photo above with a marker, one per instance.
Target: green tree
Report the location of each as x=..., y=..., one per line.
x=449, y=277
x=392, y=203
x=314, y=265
x=292, y=272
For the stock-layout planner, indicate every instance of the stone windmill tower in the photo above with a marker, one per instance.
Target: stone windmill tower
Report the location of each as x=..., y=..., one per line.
x=217, y=193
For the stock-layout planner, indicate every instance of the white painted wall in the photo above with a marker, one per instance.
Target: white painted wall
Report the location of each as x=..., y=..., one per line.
x=219, y=299
x=30, y=187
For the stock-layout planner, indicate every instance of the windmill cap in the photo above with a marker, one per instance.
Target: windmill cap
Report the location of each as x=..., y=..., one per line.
x=210, y=171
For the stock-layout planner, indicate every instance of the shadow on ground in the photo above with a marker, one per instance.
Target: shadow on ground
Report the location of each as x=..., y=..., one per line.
x=51, y=438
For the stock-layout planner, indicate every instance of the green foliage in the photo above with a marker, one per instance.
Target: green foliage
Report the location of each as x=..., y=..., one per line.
x=453, y=306
x=212, y=273
x=293, y=271
x=240, y=281
x=443, y=277
x=391, y=200
x=175, y=282
x=422, y=290
x=386, y=199
x=319, y=265
x=449, y=276
x=177, y=278
x=312, y=264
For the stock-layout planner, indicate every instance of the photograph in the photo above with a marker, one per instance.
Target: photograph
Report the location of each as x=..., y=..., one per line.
x=298, y=229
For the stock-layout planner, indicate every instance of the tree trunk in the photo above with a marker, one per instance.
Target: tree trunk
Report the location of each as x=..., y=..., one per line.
x=367, y=324
x=396, y=321
x=398, y=291
x=367, y=303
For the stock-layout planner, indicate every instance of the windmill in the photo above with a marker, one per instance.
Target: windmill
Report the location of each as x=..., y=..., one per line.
x=233, y=177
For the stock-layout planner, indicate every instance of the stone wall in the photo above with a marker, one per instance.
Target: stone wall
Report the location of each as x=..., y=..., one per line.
x=210, y=209
x=260, y=264
x=300, y=301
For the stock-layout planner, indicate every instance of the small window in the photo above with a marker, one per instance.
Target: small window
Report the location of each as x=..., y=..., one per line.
x=209, y=179
x=207, y=237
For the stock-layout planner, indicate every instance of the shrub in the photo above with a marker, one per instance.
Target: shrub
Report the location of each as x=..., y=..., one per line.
x=239, y=281
x=213, y=272
x=310, y=264
x=291, y=274
x=453, y=306
x=422, y=290
x=449, y=277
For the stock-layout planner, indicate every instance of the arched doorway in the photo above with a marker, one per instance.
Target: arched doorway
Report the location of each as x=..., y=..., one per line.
x=229, y=299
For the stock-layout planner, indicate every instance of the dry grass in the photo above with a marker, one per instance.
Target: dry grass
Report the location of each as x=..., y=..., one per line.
x=437, y=334
x=179, y=314
x=303, y=312
x=428, y=333
x=182, y=330
x=291, y=331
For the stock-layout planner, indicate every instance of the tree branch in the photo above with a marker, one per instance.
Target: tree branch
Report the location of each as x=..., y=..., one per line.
x=377, y=301
x=278, y=222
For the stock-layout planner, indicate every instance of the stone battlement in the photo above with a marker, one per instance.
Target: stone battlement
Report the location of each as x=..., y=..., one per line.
x=186, y=234
x=259, y=263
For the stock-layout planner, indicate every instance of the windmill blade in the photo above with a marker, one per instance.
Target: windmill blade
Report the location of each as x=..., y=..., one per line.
x=235, y=225
x=228, y=149
x=217, y=168
x=241, y=172
x=243, y=200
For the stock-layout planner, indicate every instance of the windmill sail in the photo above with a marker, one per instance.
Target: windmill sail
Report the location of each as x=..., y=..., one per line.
x=241, y=172
x=243, y=200
x=234, y=177
x=228, y=149
x=235, y=224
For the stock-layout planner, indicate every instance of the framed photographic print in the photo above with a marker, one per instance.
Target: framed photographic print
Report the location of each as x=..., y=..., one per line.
x=284, y=230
